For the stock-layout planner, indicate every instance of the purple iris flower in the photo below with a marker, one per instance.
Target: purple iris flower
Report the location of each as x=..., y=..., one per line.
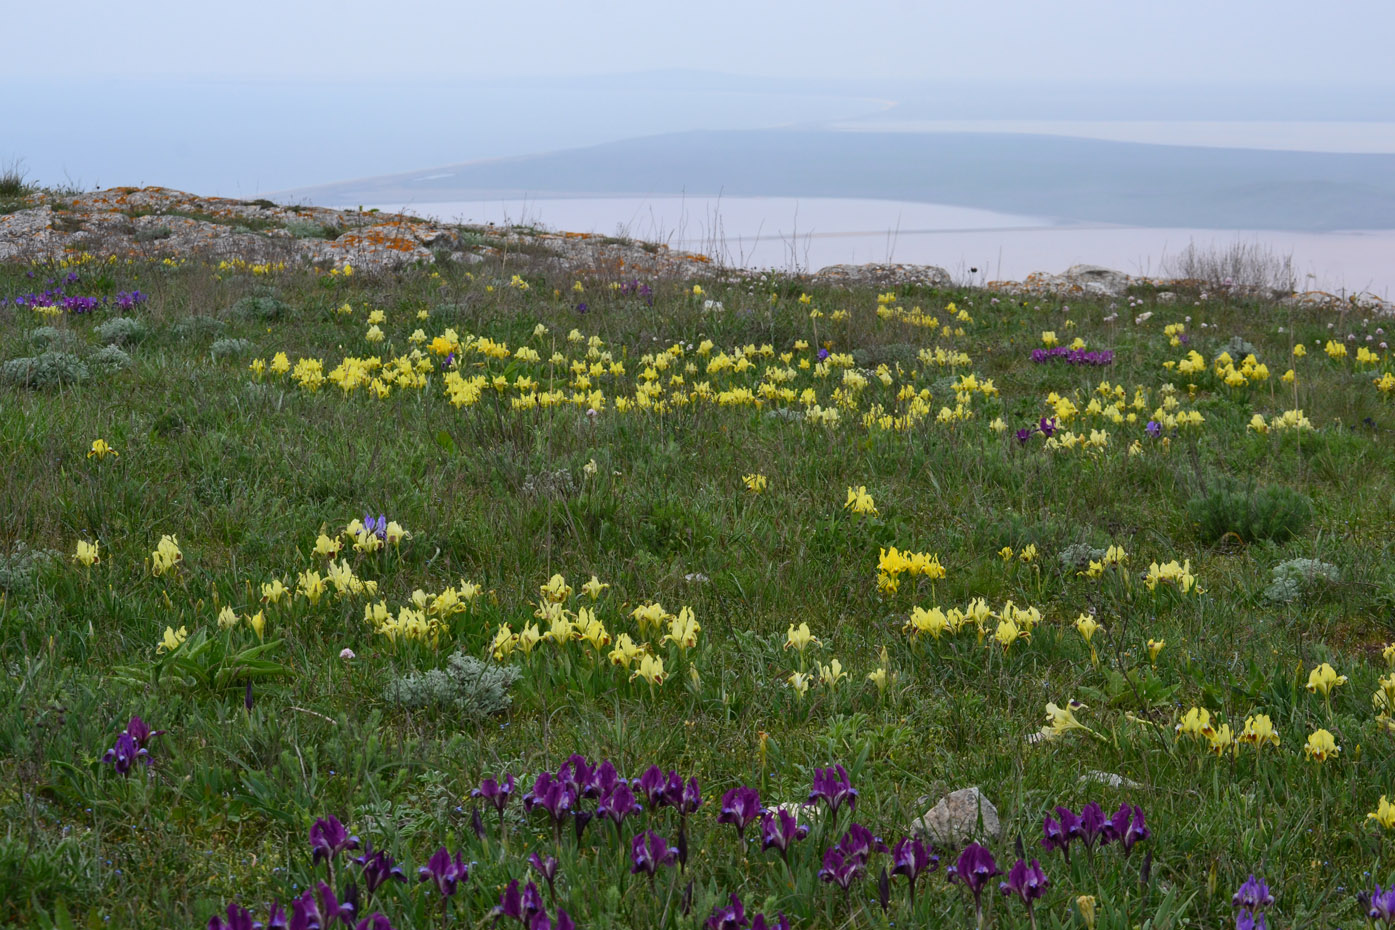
x=378, y=869
x=374, y=921
x=974, y=868
x=832, y=786
x=125, y=753
x=578, y=774
x=541, y=921
x=859, y=842
x=328, y=838
x=1070, y=823
x=1153, y=429
x=444, y=872
x=1136, y=832
x=603, y=781
x=377, y=527
x=912, y=858
x=691, y=799
x=140, y=732
x=1253, y=895
x=522, y=906
x=551, y=795
x=740, y=807
x=648, y=852
x=778, y=922
x=731, y=917
x=779, y=830
x=495, y=793
x=581, y=307
x=1024, y=435
x=547, y=868
x=1380, y=906
x=841, y=869
x=239, y=918
x=1028, y=882
x=1055, y=836
x=618, y=804
x=1247, y=920
x=660, y=790
x=823, y=354
x=331, y=908
x=1092, y=824
x=1047, y=426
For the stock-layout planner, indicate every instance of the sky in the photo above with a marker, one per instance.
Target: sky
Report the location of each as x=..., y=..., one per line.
x=1182, y=41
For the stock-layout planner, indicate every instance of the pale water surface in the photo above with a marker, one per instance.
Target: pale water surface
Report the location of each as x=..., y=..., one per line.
x=974, y=245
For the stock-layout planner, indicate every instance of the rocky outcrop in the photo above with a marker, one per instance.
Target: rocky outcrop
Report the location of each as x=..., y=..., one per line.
x=160, y=222
x=883, y=275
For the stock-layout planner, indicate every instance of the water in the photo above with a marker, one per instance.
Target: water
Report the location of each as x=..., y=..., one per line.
x=973, y=245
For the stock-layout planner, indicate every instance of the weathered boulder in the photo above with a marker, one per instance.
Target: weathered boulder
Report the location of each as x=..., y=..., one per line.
x=1095, y=279
x=960, y=816
x=884, y=275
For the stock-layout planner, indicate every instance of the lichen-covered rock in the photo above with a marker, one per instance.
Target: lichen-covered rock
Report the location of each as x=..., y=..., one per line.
x=884, y=275
x=960, y=816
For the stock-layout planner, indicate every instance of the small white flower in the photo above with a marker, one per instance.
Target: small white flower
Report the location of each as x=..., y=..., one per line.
x=347, y=653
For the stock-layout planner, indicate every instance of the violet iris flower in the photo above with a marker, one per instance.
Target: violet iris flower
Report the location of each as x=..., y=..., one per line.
x=444, y=872
x=740, y=807
x=692, y=797
x=778, y=922
x=1047, y=426
x=495, y=793
x=832, y=786
x=1153, y=429
x=911, y=858
x=551, y=795
x=731, y=917
x=140, y=732
x=1092, y=824
x=1029, y=883
x=779, y=830
x=1253, y=895
x=239, y=918
x=328, y=838
x=124, y=754
x=547, y=868
x=603, y=781
x=541, y=921
x=376, y=527
x=648, y=852
x=974, y=868
x=1055, y=836
x=841, y=869
x=1024, y=435
x=378, y=869
x=1380, y=906
x=578, y=774
x=1247, y=920
x=521, y=906
x=660, y=790
x=374, y=921
x=618, y=804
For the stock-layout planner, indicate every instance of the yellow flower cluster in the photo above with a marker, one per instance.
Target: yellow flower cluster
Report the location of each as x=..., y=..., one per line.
x=1250, y=371
x=892, y=564
x=1174, y=574
x=1013, y=622
x=166, y=556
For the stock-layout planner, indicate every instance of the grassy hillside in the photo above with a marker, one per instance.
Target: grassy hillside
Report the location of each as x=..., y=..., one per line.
x=725, y=461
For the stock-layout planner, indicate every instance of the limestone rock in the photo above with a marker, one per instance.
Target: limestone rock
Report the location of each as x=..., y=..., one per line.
x=1098, y=280
x=884, y=275
x=1108, y=778
x=960, y=816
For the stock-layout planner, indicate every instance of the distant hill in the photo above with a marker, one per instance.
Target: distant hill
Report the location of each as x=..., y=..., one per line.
x=1070, y=179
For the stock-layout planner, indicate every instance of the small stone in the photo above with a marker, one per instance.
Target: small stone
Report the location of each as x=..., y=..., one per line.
x=960, y=816
x=1110, y=779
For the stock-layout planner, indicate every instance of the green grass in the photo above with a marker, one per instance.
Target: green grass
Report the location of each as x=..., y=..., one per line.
x=248, y=469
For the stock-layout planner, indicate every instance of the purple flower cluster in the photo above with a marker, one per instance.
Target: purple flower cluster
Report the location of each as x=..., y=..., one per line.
x=733, y=917
x=313, y=909
x=560, y=795
x=1073, y=356
x=76, y=303
x=1046, y=426
x=1380, y=906
x=1126, y=827
x=1250, y=902
x=131, y=746
x=846, y=861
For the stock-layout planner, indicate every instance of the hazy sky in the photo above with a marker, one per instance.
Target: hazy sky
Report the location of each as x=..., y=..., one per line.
x=1292, y=41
